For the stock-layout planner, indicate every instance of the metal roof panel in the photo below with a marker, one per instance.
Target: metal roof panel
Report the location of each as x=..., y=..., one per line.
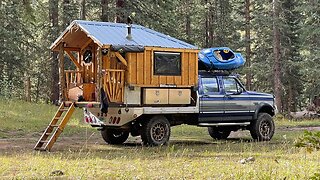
x=107, y=33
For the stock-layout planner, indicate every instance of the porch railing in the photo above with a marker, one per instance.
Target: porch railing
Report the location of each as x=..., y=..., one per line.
x=73, y=78
x=113, y=84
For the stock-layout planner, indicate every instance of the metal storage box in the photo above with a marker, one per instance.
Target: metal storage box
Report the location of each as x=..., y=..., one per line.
x=179, y=96
x=155, y=96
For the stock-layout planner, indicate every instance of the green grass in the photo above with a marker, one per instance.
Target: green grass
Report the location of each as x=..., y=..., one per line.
x=19, y=118
x=191, y=154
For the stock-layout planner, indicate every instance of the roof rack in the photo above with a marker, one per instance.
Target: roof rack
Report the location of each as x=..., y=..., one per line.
x=218, y=72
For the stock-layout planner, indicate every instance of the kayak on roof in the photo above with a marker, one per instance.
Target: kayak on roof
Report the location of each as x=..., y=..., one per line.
x=220, y=58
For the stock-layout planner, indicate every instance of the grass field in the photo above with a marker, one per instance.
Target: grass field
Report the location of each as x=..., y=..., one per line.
x=191, y=154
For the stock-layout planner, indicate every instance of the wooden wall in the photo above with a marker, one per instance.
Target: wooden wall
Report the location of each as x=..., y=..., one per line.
x=140, y=68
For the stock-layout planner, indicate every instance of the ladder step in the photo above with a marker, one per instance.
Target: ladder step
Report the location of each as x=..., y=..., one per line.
x=40, y=149
x=46, y=145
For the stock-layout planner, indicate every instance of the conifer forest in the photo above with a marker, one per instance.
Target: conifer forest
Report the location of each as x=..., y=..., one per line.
x=278, y=38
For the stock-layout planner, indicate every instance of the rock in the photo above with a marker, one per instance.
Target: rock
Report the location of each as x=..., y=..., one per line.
x=243, y=161
x=250, y=159
x=247, y=160
x=56, y=173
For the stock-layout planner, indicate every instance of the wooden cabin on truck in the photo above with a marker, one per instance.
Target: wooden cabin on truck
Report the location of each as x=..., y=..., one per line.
x=133, y=65
x=121, y=58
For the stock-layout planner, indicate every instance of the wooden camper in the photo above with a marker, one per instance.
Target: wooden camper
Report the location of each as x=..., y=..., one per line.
x=124, y=65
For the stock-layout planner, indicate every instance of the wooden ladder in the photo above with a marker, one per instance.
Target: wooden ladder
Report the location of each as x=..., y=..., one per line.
x=55, y=128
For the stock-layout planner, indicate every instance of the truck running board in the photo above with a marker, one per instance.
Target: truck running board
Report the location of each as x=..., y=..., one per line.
x=55, y=128
x=224, y=124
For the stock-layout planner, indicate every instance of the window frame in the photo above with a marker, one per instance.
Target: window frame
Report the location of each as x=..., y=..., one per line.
x=179, y=68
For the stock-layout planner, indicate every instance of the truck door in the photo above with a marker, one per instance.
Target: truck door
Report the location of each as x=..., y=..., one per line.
x=211, y=100
x=236, y=100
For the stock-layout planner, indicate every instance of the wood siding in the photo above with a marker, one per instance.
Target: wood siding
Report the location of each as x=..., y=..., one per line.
x=140, y=68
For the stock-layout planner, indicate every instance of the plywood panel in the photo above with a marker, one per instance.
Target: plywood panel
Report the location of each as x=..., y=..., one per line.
x=191, y=68
x=140, y=68
x=147, y=67
x=154, y=79
x=184, y=69
x=163, y=79
x=170, y=80
x=106, y=62
x=133, y=69
x=195, y=60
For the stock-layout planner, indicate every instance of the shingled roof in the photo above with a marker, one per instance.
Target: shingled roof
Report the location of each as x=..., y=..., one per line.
x=114, y=34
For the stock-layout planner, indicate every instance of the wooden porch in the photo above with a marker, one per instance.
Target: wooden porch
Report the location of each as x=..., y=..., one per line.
x=85, y=81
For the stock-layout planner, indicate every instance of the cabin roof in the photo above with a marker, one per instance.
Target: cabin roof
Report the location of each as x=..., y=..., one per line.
x=114, y=34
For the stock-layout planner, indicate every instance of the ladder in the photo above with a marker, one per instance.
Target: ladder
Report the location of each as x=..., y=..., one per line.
x=52, y=132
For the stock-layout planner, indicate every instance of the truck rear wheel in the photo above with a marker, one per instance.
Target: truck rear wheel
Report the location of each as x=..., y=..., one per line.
x=218, y=133
x=114, y=136
x=263, y=128
x=156, y=131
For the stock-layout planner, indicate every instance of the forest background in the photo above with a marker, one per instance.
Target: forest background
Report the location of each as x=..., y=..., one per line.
x=279, y=39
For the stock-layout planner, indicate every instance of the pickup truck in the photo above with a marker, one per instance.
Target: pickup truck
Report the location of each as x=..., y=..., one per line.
x=220, y=103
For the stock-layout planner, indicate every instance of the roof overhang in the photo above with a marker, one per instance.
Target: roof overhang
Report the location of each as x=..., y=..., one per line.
x=74, y=36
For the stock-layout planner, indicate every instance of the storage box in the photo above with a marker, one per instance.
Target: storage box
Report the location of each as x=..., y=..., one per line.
x=155, y=96
x=179, y=96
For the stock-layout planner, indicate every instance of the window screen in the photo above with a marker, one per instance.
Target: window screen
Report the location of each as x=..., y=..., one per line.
x=167, y=63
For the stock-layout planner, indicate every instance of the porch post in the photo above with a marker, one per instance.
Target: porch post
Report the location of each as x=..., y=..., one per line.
x=99, y=74
x=62, y=84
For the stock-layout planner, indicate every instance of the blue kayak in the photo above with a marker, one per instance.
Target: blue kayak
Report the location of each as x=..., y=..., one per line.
x=220, y=58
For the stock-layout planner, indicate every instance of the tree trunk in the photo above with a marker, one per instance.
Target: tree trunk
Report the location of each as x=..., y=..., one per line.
x=276, y=55
x=105, y=10
x=83, y=9
x=290, y=101
x=206, y=37
x=248, y=45
x=188, y=27
x=27, y=88
x=66, y=13
x=120, y=11
x=53, y=15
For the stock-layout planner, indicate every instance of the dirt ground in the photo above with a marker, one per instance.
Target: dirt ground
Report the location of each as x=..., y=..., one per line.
x=26, y=143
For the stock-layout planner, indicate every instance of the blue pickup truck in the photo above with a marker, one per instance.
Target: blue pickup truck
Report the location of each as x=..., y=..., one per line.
x=220, y=103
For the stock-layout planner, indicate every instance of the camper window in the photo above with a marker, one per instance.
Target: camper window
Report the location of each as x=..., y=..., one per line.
x=167, y=63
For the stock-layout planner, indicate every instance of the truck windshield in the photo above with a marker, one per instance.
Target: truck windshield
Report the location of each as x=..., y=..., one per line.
x=209, y=85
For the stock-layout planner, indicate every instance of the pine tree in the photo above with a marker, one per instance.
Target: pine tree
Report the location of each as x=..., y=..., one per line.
x=54, y=32
x=290, y=55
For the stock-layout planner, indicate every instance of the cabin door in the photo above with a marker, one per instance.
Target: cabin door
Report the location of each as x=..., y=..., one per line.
x=89, y=75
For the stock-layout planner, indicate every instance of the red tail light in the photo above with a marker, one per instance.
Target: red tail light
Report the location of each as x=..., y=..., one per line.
x=118, y=120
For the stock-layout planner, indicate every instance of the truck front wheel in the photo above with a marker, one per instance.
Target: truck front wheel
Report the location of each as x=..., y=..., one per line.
x=218, y=133
x=156, y=131
x=263, y=128
x=114, y=136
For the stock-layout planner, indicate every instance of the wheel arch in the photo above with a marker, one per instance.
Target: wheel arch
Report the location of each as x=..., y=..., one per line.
x=264, y=108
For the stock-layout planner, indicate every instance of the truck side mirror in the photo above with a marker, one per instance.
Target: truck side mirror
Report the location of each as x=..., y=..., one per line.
x=238, y=92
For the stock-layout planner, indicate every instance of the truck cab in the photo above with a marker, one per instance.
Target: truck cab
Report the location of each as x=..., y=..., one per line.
x=225, y=106
x=220, y=103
